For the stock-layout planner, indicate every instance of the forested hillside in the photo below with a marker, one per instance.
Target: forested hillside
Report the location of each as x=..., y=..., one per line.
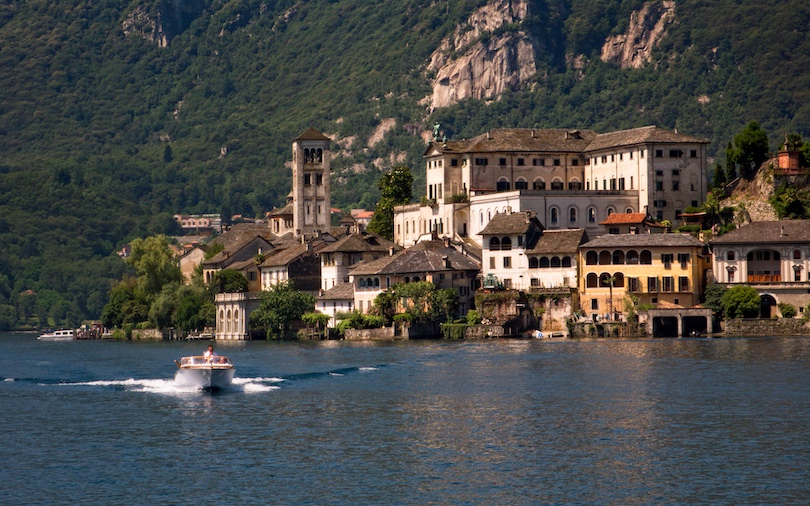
x=116, y=114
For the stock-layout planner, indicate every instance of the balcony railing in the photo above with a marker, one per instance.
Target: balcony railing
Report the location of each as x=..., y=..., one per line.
x=764, y=278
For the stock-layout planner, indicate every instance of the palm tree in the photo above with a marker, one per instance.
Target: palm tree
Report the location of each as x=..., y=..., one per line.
x=610, y=280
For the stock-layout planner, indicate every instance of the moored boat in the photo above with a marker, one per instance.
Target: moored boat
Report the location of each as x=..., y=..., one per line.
x=206, y=373
x=58, y=335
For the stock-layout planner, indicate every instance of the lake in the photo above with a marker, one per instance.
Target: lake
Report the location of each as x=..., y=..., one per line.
x=669, y=421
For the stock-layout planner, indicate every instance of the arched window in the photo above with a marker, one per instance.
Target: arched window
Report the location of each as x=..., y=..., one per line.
x=494, y=244
x=628, y=210
x=604, y=258
x=572, y=215
x=416, y=279
x=407, y=231
x=555, y=262
x=407, y=279
x=730, y=255
x=481, y=214
x=605, y=280
x=591, y=258
x=376, y=282
x=592, y=280
x=369, y=283
x=544, y=263
x=632, y=257
x=555, y=215
x=646, y=257
x=797, y=254
x=502, y=185
x=618, y=280
x=533, y=263
x=539, y=184
x=591, y=215
x=610, y=211
x=362, y=283
x=521, y=184
x=566, y=261
x=557, y=184
x=506, y=244
x=618, y=257
x=777, y=256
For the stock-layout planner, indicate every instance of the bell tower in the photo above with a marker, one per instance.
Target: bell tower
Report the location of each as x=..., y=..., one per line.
x=312, y=206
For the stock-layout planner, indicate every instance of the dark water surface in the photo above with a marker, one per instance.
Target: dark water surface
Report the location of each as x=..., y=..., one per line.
x=724, y=421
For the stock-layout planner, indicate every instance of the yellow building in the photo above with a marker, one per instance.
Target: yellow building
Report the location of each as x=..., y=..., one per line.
x=653, y=268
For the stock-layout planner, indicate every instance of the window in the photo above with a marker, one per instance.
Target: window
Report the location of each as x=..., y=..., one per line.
x=491, y=262
x=556, y=185
x=604, y=159
x=675, y=186
x=521, y=162
x=621, y=183
x=502, y=161
x=693, y=153
x=539, y=184
x=797, y=254
x=666, y=259
x=683, y=284
x=676, y=172
x=592, y=281
x=521, y=185
x=554, y=215
x=594, y=304
x=659, y=153
x=659, y=185
x=632, y=284
x=591, y=215
x=613, y=183
x=730, y=255
x=533, y=263
x=507, y=262
x=252, y=275
x=659, y=203
x=675, y=153
x=454, y=162
x=683, y=259
x=307, y=179
x=480, y=161
x=503, y=186
x=641, y=153
x=566, y=261
x=319, y=179
x=645, y=258
x=520, y=240
x=612, y=158
x=494, y=244
x=539, y=162
x=591, y=258
x=556, y=162
x=613, y=230
x=574, y=185
x=506, y=244
x=574, y=162
x=652, y=285
x=572, y=215
x=667, y=284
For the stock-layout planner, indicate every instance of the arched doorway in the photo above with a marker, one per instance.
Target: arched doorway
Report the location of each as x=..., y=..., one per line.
x=766, y=306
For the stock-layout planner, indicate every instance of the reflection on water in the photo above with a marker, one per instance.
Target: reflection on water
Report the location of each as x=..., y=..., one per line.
x=489, y=422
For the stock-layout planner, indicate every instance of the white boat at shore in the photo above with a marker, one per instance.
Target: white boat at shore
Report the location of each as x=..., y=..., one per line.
x=58, y=335
x=212, y=373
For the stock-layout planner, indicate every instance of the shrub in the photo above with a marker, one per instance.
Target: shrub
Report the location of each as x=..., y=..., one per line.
x=787, y=310
x=473, y=317
x=453, y=330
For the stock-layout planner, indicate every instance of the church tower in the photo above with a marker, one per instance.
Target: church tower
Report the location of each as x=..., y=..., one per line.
x=312, y=206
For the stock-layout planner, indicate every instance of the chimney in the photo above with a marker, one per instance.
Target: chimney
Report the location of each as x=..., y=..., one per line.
x=533, y=133
x=390, y=251
x=782, y=231
x=446, y=242
x=446, y=261
x=487, y=135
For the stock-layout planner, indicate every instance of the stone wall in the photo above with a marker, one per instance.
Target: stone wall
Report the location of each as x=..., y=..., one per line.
x=383, y=334
x=756, y=327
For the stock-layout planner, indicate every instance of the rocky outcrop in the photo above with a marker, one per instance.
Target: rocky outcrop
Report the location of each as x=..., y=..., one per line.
x=482, y=58
x=140, y=22
x=160, y=22
x=646, y=29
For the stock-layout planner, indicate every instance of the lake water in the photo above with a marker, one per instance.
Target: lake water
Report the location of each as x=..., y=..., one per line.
x=724, y=421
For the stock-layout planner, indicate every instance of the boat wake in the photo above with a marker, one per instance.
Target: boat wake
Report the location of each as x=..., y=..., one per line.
x=170, y=387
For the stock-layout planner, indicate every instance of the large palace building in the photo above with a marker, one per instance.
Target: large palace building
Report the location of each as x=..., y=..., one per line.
x=569, y=178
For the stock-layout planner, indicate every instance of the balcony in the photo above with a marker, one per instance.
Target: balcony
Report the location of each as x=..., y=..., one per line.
x=764, y=278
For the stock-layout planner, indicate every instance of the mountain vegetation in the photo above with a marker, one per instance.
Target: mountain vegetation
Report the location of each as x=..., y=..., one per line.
x=115, y=115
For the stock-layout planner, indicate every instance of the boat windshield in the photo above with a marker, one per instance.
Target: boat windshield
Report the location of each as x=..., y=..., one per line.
x=205, y=361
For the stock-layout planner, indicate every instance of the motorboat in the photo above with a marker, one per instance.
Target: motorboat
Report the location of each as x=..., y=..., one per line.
x=58, y=335
x=206, y=373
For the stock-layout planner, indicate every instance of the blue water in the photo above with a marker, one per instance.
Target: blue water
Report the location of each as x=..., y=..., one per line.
x=724, y=421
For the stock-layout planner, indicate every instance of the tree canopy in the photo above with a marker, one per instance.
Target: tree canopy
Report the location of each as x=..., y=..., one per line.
x=396, y=188
x=279, y=306
x=741, y=301
x=750, y=149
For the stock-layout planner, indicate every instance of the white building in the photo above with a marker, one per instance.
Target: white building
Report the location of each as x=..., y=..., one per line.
x=570, y=178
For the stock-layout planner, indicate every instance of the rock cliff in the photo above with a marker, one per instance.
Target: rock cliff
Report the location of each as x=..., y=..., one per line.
x=647, y=27
x=483, y=57
x=160, y=22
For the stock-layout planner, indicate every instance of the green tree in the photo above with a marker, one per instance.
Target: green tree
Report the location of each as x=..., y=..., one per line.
x=787, y=310
x=422, y=300
x=713, y=298
x=279, y=306
x=741, y=301
x=750, y=149
x=155, y=264
x=719, y=177
x=230, y=281
x=396, y=188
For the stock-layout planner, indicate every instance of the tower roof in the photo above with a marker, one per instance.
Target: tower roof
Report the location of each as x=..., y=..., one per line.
x=310, y=134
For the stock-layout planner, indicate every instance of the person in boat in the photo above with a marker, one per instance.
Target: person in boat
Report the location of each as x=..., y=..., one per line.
x=209, y=353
